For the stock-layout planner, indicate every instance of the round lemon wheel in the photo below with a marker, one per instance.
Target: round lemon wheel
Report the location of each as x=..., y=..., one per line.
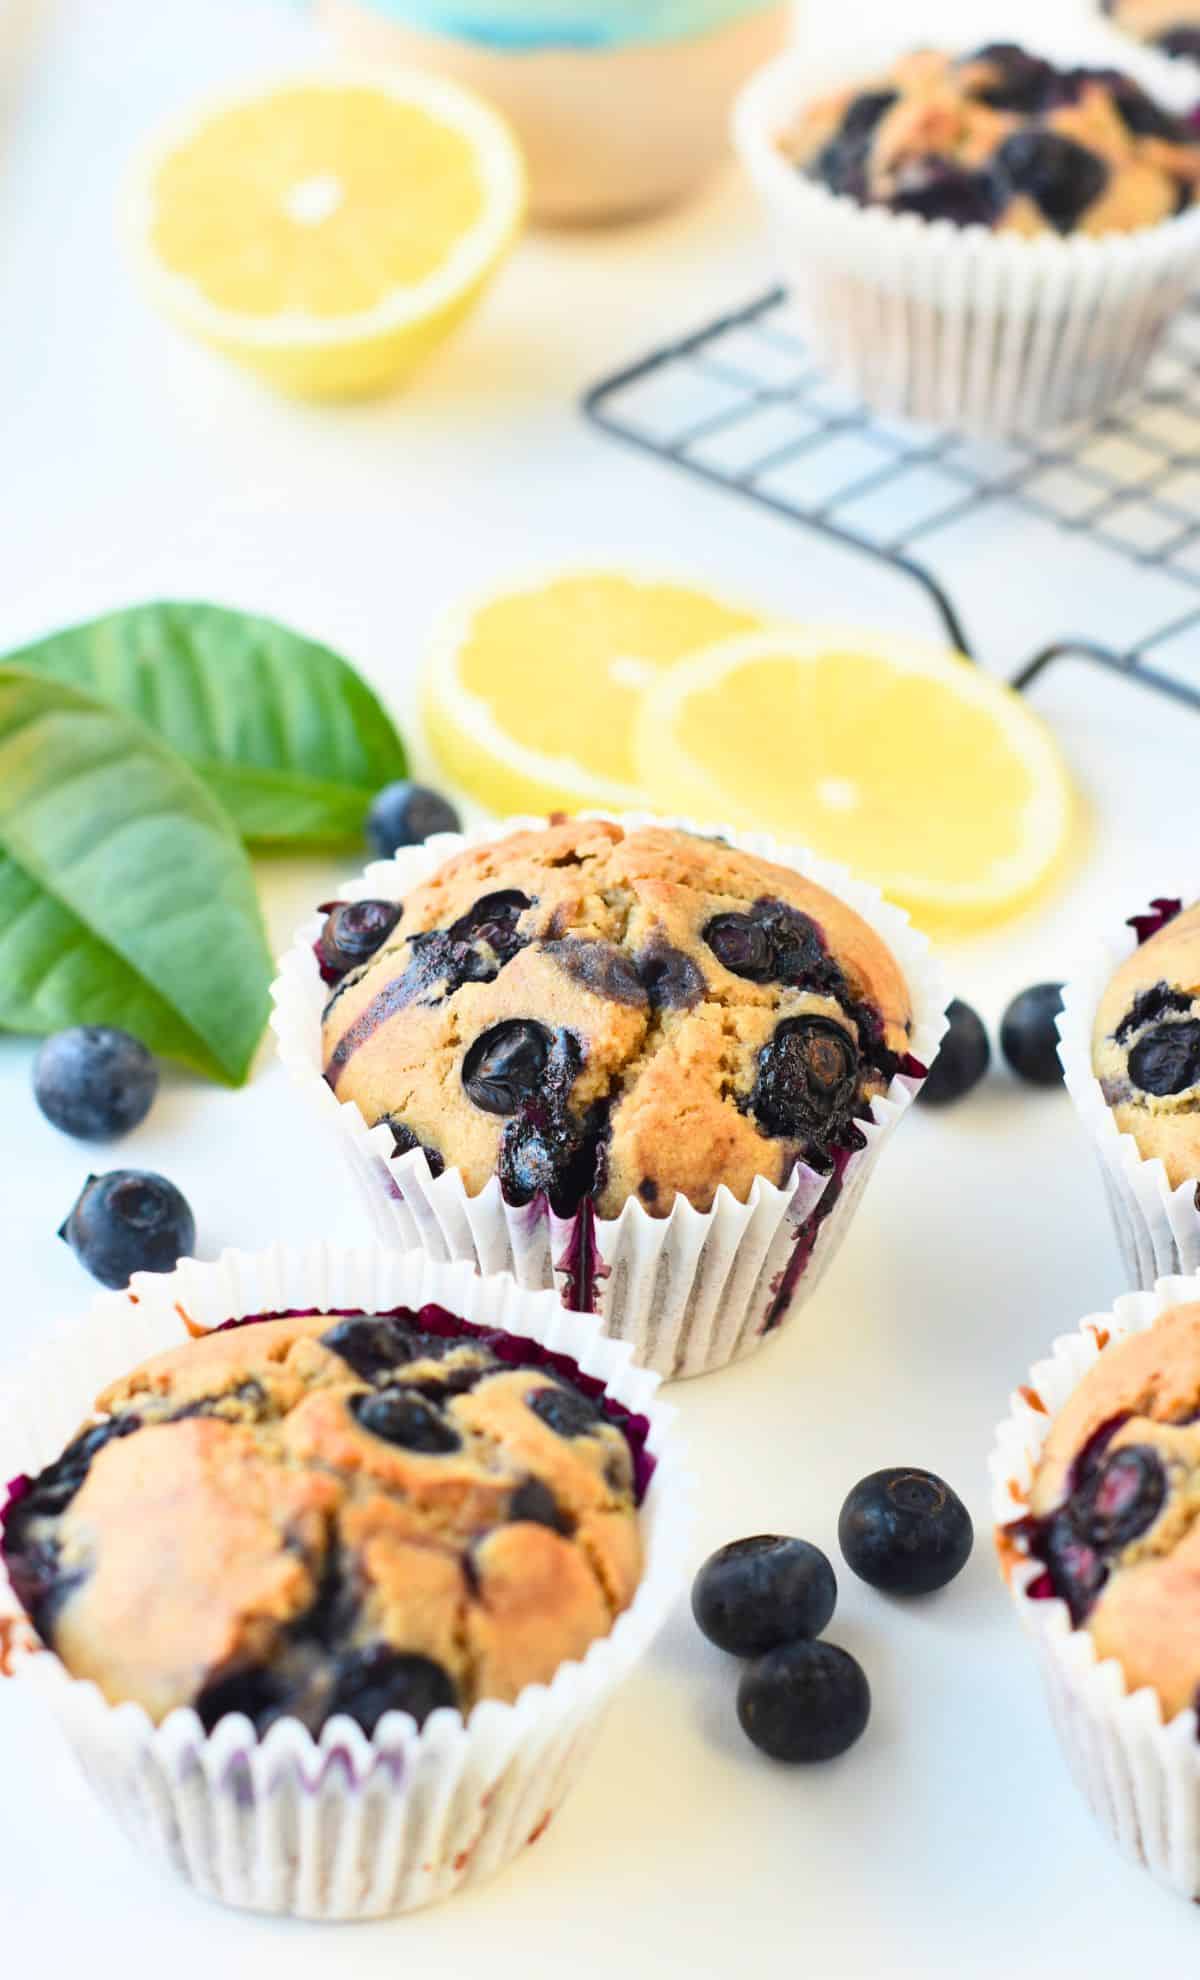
x=917, y=769
x=530, y=694
x=328, y=230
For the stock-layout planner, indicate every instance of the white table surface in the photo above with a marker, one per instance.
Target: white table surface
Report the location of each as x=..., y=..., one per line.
x=950, y=1841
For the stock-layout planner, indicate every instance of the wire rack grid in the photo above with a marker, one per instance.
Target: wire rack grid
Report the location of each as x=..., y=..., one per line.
x=740, y=404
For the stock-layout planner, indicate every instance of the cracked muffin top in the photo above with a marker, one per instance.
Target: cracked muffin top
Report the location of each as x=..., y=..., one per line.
x=1114, y=1505
x=322, y=1514
x=1146, y=1047
x=1005, y=140
x=1172, y=25
x=589, y=1013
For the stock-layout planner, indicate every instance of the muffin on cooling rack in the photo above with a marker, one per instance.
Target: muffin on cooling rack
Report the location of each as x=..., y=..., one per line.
x=992, y=241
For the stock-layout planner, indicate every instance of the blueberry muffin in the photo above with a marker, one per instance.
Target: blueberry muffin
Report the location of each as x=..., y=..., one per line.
x=1004, y=140
x=331, y=1514
x=594, y=1014
x=1172, y=25
x=1113, y=1508
x=1146, y=1046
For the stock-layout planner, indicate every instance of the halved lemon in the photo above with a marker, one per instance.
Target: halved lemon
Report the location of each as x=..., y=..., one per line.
x=530, y=694
x=917, y=769
x=328, y=230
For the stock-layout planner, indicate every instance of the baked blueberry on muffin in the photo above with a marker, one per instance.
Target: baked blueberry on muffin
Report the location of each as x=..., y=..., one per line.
x=1113, y=1508
x=1004, y=140
x=1172, y=25
x=332, y=1514
x=1146, y=1046
x=594, y=1014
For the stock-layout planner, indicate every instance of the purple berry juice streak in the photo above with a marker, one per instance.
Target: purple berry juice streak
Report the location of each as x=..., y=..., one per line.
x=1162, y=910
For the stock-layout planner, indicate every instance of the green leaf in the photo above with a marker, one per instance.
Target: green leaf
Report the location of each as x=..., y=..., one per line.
x=125, y=895
x=286, y=735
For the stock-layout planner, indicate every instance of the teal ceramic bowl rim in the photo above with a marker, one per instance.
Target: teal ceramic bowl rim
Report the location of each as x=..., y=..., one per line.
x=519, y=26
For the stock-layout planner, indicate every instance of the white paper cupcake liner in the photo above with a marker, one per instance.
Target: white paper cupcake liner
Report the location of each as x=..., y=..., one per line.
x=689, y=1292
x=340, y=1827
x=988, y=333
x=1158, y=1228
x=1141, y=1776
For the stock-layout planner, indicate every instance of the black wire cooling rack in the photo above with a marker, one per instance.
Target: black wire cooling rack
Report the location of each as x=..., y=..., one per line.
x=740, y=404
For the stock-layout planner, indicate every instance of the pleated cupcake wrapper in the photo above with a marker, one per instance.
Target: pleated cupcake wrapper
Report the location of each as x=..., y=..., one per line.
x=988, y=333
x=342, y=1826
x=689, y=1292
x=1141, y=1776
x=1158, y=1228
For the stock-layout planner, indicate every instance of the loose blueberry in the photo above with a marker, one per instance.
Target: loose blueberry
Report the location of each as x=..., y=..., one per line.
x=804, y=1702
x=754, y=1594
x=504, y=1067
x=353, y=931
x=807, y=1075
x=399, y=1416
x=905, y=1531
x=406, y=814
x=127, y=1221
x=1122, y=1499
x=1062, y=178
x=534, y=1502
x=563, y=1410
x=1029, y=1035
x=94, y=1081
x=1167, y=1059
x=370, y=1682
x=962, y=1060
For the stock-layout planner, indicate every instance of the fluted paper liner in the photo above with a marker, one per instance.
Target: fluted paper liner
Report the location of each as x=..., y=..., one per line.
x=1158, y=1228
x=342, y=1826
x=689, y=1292
x=1140, y=1776
x=993, y=334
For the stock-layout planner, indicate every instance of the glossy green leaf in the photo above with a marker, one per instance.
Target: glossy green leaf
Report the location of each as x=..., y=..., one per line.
x=126, y=897
x=283, y=732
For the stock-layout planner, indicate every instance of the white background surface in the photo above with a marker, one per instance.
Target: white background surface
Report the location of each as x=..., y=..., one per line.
x=950, y=1841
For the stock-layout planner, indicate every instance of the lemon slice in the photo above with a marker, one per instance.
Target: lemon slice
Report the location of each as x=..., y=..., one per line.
x=920, y=771
x=530, y=694
x=328, y=230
